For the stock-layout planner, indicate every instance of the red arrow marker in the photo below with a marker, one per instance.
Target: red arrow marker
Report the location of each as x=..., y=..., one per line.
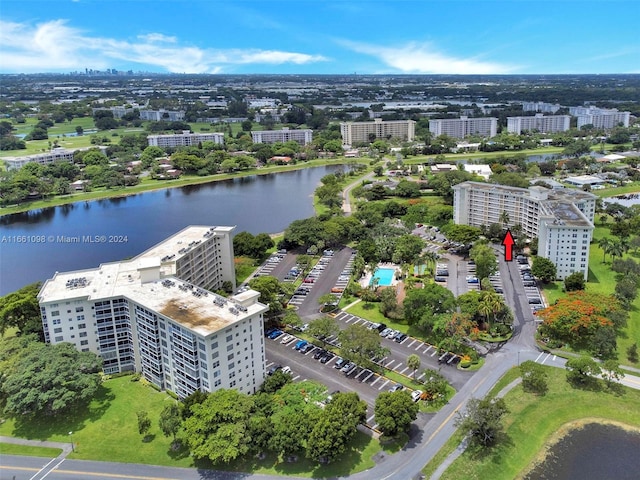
x=508, y=242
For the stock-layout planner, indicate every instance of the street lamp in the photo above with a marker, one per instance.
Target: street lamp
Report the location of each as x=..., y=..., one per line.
x=71, y=436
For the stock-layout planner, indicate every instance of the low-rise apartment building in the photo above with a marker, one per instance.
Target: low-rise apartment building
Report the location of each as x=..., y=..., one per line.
x=152, y=315
x=57, y=154
x=561, y=219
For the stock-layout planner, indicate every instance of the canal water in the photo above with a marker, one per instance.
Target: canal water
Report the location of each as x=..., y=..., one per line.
x=595, y=452
x=34, y=245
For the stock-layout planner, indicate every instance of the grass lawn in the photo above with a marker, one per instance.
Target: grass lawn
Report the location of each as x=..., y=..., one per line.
x=245, y=266
x=107, y=431
x=13, y=449
x=532, y=421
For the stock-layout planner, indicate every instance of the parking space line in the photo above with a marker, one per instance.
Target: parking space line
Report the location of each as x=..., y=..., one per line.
x=414, y=341
x=429, y=347
x=419, y=345
x=382, y=386
x=296, y=378
x=546, y=358
x=357, y=320
x=554, y=358
x=404, y=370
x=541, y=353
x=376, y=380
x=370, y=418
x=388, y=365
x=367, y=377
x=403, y=341
x=421, y=375
x=434, y=352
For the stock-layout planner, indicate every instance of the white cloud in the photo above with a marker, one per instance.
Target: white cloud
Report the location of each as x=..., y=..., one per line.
x=55, y=46
x=423, y=58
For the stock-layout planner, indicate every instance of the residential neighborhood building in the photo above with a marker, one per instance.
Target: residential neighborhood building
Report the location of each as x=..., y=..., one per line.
x=601, y=118
x=540, y=107
x=153, y=315
x=303, y=136
x=184, y=139
x=157, y=115
x=464, y=126
x=57, y=154
x=541, y=123
x=561, y=219
x=481, y=170
x=364, y=132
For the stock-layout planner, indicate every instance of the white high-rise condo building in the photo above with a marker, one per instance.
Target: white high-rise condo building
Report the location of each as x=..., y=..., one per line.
x=303, y=137
x=463, y=127
x=184, y=139
x=152, y=314
x=364, y=132
x=541, y=123
x=605, y=120
x=561, y=219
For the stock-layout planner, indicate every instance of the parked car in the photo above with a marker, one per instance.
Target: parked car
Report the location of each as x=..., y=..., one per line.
x=385, y=332
x=300, y=344
x=535, y=301
x=273, y=369
x=396, y=387
x=307, y=348
x=400, y=338
x=286, y=339
x=415, y=395
x=286, y=370
x=439, y=278
x=275, y=334
x=319, y=354
x=345, y=368
x=340, y=362
x=326, y=357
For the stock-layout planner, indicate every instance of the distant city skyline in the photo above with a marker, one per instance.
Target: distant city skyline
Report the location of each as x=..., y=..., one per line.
x=328, y=37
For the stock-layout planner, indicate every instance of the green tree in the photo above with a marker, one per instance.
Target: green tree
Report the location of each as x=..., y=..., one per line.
x=50, y=380
x=485, y=259
x=394, y=412
x=413, y=362
x=360, y=345
x=218, y=428
x=324, y=327
x=534, y=378
x=170, y=420
x=544, y=269
x=632, y=353
x=275, y=382
x=21, y=310
x=435, y=385
x=582, y=370
x=574, y=282
x=483, y=420
x=461, y=233
x=144, y=423
x=611, y=372
x=627, y=290
x=420, y=305
x=336, y=427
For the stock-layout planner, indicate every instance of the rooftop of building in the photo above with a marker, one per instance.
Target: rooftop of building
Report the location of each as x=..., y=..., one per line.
x=566, y=194
x=147, y=280
x=562, y=213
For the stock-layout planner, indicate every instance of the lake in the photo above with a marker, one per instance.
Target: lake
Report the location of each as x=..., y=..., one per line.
x=132, y=224
x=595, y=452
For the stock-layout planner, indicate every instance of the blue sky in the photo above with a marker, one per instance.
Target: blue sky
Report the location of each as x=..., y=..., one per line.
x=321, y=36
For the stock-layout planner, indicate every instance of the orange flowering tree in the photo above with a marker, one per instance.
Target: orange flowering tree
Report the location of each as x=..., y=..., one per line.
x=581, y=317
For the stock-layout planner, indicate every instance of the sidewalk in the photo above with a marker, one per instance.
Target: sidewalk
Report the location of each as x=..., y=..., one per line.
x=64, y=446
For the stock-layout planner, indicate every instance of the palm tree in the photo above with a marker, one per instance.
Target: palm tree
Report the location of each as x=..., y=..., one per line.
x=605, y=244
x=616, y=249
x=490, y=304
x=413, y=362
x=504, y=219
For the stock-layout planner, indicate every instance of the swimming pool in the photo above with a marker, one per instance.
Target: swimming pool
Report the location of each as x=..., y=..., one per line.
x=384, y=276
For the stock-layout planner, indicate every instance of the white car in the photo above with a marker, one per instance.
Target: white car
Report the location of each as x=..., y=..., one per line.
x=286, y=369
x=286, y=339
x=415, y=395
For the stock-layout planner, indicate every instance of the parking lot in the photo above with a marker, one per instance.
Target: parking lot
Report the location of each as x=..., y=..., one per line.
x=367, y=384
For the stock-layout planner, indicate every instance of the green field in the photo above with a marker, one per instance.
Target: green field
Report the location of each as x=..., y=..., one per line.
x=531, y=422
x=107, y=431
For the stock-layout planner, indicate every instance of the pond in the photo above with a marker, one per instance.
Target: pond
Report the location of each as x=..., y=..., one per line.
x=596, y=451
x=36, y=244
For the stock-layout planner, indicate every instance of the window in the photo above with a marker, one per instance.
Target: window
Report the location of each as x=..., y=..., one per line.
x=82, y=325
x=59, y=339
x=80, y=318
x=217, y=383
x=215, y=364
x=57, y=330
x=84, y=342
x=230, y=356
x=214, y=345
x=55, y=313
x=83, y=334
x=56, y=321
x=79, y=309
x=229, y=338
